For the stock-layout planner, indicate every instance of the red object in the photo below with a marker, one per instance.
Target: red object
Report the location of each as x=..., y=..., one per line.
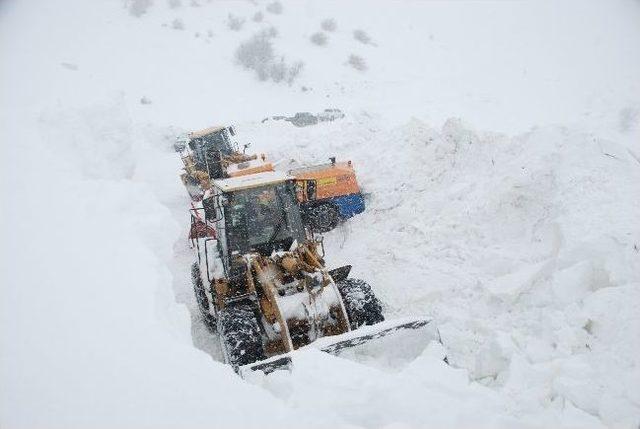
x=200, y=230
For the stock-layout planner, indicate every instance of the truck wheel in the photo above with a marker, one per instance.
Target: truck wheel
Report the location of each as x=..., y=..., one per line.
x=323, y=217
x=363, y=308
x=201, y=297
x=240, y=335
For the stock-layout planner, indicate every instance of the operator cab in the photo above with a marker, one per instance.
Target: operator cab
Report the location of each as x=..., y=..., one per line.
x=255, y=213
x=209, y=147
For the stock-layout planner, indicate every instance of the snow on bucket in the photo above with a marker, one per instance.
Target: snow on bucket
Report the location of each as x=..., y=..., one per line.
x=390, y=345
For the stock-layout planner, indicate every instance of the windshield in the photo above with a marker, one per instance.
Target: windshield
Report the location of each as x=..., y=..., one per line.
x=263, y=218
x=208, y=150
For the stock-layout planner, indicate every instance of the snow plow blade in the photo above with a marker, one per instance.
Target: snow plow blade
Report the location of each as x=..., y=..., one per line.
x=390, y=343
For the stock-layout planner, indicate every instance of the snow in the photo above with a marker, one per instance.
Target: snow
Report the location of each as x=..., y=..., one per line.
x=250, y=181
x=506, y=242
x=520, y=242
x=299, y=306
x=253, y=163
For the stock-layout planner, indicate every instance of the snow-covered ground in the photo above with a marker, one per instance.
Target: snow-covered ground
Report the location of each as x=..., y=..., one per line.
x=515, y=227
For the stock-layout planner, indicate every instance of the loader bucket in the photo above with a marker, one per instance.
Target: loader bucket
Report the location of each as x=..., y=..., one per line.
x=387, y=345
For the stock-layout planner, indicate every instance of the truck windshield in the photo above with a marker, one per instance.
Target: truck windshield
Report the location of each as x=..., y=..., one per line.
x=209, y=150
x=263, y=218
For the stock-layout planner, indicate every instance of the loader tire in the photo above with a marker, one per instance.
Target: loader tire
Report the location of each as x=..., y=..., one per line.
x=240, y=335
x=201, y=297
x=323, y=217
x=363, y=308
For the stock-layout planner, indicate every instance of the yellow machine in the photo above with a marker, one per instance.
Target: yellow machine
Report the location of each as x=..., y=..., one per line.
x=211, y=154
x=261, y=281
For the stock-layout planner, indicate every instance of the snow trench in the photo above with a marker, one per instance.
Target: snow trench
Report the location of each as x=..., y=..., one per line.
x=523, y=250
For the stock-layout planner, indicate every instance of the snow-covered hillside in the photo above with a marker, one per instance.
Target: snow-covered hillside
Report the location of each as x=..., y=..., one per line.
x=514, y=227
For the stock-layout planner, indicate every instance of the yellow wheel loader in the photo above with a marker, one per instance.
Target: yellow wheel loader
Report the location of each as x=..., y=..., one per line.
x=262, y=285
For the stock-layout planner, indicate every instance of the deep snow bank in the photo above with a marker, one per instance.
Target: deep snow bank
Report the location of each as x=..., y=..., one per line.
x=525, y=250
x=91, y=333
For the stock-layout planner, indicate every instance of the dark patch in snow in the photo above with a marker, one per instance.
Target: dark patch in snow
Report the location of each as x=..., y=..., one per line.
x=329, y=25
x=357, y=62
x=177, y=24
x=362, y=37
x=319, y=38
x=275, y=8
x=235, y=23
x=258, y=54
x=69, y=66
x=305, y=119
x=138, y=8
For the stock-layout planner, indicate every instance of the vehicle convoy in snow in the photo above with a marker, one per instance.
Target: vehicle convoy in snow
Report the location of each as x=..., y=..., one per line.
x=327, y=193
x=260, y=278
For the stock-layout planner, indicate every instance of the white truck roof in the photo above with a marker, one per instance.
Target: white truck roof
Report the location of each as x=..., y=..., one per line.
x=251, y=181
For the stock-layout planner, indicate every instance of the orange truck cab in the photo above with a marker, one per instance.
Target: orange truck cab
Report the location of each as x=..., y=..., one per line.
x=328, y=193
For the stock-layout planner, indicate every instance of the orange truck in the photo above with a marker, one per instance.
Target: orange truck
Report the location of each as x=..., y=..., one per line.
x=328, y=193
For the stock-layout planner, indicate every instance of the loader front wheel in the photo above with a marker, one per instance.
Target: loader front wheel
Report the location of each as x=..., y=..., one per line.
x=240, y=335
x=363, y=308
x=323, y=217
x=201, y=297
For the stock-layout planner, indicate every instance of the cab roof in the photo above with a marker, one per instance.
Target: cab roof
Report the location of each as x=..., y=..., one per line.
x=206, y=131
x=251, y=181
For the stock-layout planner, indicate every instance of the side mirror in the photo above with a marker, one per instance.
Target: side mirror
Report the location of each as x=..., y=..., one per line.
x=245, y=147
x=311, y=189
